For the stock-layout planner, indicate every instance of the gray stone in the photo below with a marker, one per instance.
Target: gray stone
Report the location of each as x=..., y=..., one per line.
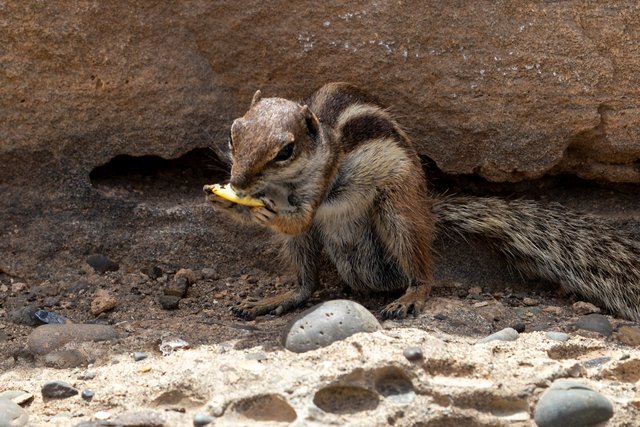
x=24, y=315
x=146, y=418
x=87, y=394
x=47, y=338
x=596, y=323
x=557, y=336
x=11, y=414
x=58, y=390
x=569, y=403
x=507, y=334
x=61, y=359
x=326, y=323
x=413, y=353
x=139, y=355
x=200, y=419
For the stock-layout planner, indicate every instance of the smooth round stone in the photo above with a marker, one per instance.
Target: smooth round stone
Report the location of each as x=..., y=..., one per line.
x=58, y=390
x=507, y=334
x=200, y=420
x=139, y=355
x=558, y=336
x=568, y=403
x=87, y=394
x=596, y=323
x=326, y=323
x=413, y=353
x=11, y=414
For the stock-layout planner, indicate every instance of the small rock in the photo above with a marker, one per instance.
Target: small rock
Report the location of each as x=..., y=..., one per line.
x=63, y=359
x=519, y=327
x=18, y=287
x=11, y=414
x=24, y=316
x=102, y=301
x=101, y=264
x=168, y=346
x=178, y=287
x=554, y=310
x=169, y=302
x=441, y=316
x=200, y=419
x=558, y=336
x=507, y=334
x=49, y=317
x=596, y=323
x=57, y=390
x=628, y=335
x=87, y=394
x=18, y=397
x=598, y=361
x=583, y=307
x=326, y=323
x=88, y=375
x=47, y=338
x=568, y=403
x=210, y=274
x=413, y=353
x=102, y=415
x=139, y=355
x=188, y=274
x=530, y=302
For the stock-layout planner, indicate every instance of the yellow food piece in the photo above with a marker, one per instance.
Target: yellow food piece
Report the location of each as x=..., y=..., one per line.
x=227, y=193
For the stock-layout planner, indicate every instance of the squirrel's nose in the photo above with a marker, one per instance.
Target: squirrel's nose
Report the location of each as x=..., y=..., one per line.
x=239, y=183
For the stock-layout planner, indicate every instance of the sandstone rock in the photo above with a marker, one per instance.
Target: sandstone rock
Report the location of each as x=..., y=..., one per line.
x=102, y=301
x=505, y=93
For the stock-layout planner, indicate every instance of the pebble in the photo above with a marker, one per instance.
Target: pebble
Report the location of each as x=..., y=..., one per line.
x=88, y=375
x=530, y=301
x=18, y=287
x=558, y=336
x=47, y=338
x=188, y=274
x=569, y=403
x=63, y=359
x=326, y=323
x=583, y=307
x=87, y=394
x=519, y=327
x=596, y=323
x=101, y=264
x=168, y=346
x=102, y=301
x=49, y=317
x=58, y=390
x=413, y=353
x=177, y=287
x=628, y=335
x=18, y=397
x=11, y=414
x=210, y=274
x=507, y=334
x=201, y=419
x=139, y=355
x=598, y=361
x=169, y=302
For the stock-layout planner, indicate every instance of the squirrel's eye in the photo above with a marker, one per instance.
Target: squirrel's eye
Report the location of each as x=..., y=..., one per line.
x=285, y=153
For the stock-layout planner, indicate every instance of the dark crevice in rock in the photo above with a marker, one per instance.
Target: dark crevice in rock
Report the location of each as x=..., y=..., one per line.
x=141, y=177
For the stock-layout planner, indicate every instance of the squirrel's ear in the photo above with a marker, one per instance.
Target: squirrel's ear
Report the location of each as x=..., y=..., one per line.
x=313, y=125
x=256, y=97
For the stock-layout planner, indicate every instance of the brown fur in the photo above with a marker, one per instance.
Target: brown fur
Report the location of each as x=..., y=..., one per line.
x=339, y=175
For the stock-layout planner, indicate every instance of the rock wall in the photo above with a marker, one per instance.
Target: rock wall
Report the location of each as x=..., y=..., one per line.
x=504, y=90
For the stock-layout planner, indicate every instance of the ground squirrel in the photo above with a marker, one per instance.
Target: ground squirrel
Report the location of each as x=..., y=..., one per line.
x=338, y=174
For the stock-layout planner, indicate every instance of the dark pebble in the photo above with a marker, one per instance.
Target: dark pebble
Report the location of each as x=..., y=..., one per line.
x=519, y=327
x=169, y=302
x=49, y=317
x=139, y=355
x=87, y=394
x=441, y=316
x=598, y=361
x=596, y=323
x=57, y=390
x=102, y=264
x=413, y=353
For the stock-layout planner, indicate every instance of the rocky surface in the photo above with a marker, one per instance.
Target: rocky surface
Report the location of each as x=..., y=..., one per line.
x=364, y=377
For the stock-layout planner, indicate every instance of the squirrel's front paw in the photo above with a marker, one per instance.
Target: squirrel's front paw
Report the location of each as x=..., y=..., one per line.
x=219, y=203
x=262, y=216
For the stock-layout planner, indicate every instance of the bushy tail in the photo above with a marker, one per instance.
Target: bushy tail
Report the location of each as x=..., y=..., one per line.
x=580, y=252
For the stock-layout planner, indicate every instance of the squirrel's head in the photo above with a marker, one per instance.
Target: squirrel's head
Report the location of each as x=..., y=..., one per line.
x=272, y=143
